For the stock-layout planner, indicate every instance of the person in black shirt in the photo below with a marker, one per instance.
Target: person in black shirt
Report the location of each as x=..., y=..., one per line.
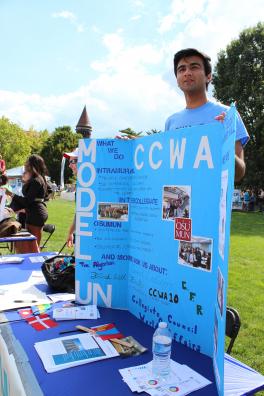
x=35, y=192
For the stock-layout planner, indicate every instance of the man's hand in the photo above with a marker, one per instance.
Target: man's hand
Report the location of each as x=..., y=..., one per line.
x=70, y=240
x=240, y=167
x=221, y=117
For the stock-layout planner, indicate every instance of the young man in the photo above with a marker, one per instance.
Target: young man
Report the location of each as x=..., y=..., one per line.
x=193, y=72
x=73, y=159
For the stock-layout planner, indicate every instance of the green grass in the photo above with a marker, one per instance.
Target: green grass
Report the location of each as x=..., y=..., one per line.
x=246, y=286
x=61, y=213
x=246, y=279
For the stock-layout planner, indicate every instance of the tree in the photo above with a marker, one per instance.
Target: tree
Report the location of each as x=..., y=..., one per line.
x=60, y=141
x=14, y=144
x=239, y=76
x=153, y=132
x=37, y=139
x=130, y=133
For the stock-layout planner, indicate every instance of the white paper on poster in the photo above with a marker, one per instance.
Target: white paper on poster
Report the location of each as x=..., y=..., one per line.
x=222, y=210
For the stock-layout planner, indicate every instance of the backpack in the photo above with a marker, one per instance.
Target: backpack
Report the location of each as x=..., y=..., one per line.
x=8, y=227
x=59, y=272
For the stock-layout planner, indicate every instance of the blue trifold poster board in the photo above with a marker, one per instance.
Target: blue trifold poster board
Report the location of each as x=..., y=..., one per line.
x=153, y=227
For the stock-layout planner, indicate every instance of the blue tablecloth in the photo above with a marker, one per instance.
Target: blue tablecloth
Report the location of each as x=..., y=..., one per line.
x=99, y=378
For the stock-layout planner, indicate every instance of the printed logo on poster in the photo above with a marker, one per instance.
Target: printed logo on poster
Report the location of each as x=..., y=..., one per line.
x=182, y=229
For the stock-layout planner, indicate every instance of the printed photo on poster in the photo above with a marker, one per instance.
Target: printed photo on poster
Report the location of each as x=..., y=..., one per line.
x=112, y=211
x=220, y=291
x=197, y=253
x=176, y=202
x=215, y=334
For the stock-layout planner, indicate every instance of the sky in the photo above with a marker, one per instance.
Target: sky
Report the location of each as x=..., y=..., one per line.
x=114, y=56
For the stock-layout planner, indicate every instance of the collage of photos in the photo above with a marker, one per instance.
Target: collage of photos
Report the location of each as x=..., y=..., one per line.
x=197, y=253
x=112, y=211
x=176, y=202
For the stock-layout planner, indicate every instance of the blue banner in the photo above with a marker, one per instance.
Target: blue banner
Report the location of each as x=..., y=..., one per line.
x=152, y=230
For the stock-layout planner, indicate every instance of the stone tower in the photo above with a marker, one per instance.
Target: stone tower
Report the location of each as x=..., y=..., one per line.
x=84, y=126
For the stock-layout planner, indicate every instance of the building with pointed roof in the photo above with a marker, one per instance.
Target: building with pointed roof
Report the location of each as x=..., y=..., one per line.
x=84, y=126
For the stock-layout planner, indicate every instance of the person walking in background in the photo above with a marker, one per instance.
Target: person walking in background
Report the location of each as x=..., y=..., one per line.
x=54, y=190
x=35, y=192
x=246, y=200
x=261, y=199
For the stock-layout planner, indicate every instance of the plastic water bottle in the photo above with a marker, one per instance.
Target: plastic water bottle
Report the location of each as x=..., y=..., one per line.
x=161, y=348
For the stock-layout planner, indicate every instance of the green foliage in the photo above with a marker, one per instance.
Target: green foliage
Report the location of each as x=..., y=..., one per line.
x=14, y=144
x=60, y=141
x=239, y=76
x=130, y=133
x=152, y=132
x=37, y=139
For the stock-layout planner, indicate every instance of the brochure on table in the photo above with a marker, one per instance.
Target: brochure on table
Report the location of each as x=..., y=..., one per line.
x=152, y=230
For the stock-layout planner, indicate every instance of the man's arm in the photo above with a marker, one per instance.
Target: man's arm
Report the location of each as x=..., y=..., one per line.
x=240, y=167
x=70, y=233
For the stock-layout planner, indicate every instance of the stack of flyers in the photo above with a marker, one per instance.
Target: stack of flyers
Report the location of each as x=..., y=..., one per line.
x=76, y=312
x=240, y=378
x=181, y=380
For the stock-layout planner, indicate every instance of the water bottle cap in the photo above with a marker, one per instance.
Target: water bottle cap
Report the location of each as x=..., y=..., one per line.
x=162, y=325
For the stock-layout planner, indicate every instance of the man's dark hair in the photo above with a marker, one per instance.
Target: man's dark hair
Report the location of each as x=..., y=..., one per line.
x=185, y=53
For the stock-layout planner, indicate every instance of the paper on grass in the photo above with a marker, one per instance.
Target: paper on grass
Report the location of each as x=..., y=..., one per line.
x=64, y=352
